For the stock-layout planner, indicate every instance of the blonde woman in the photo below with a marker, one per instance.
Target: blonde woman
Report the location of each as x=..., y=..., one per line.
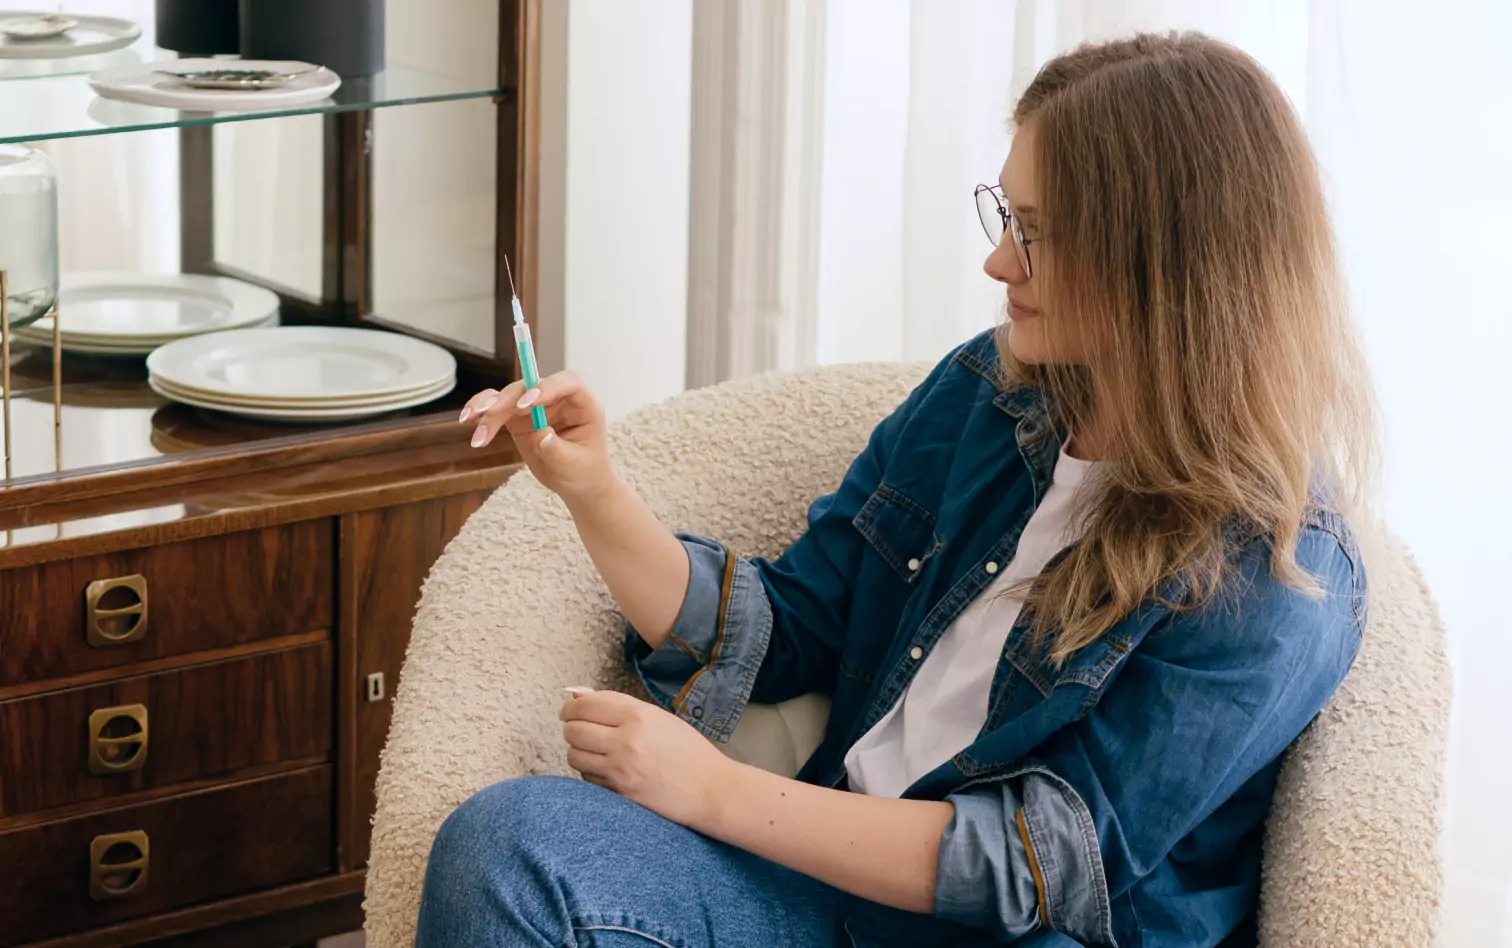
x=1072, y=602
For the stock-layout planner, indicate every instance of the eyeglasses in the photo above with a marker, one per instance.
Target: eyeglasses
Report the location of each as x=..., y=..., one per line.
x=997, y=218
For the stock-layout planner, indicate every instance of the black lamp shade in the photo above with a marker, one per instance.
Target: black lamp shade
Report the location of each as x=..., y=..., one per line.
x=197, y=27
x=345, y=36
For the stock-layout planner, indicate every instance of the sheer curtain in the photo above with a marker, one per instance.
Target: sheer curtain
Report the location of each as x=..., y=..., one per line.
x=1409, y=106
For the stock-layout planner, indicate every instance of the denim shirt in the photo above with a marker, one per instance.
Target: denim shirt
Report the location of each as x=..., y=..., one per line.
x=1116, y=800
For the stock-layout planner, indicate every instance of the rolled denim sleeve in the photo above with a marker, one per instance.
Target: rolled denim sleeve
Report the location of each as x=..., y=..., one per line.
x=705, y=670
x=1021, y=855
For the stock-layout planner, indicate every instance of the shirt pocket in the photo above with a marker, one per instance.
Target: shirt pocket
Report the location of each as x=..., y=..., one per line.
x=900, y=530
x=1089, y=668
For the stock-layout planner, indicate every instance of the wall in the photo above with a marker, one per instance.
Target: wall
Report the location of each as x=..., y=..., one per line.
x=866, y=65
x=625, y=248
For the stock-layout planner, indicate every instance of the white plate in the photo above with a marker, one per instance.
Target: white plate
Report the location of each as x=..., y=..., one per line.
x=94, y=34
x=297, y=414
x=105, y=348
x=145, y=85
x=283, y=404
x=302, y=363
x=150, y=309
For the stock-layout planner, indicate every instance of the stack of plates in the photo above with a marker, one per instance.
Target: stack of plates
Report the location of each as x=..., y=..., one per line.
x=302, y=373
x=130, y=314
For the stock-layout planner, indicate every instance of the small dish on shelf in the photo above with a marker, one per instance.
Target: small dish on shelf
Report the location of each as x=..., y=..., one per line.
x=245, y=79
x=161, y=84
x=41, y=26
x=84, y=35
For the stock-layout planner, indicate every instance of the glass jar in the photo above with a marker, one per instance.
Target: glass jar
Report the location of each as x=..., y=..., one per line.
x=28, y=232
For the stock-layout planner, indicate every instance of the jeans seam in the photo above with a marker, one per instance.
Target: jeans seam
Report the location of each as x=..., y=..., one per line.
x=626, y=930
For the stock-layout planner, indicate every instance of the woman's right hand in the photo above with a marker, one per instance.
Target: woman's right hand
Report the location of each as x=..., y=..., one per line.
x=569, y=456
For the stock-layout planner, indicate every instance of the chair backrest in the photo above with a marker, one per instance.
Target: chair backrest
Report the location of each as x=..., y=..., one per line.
x=1351, y=847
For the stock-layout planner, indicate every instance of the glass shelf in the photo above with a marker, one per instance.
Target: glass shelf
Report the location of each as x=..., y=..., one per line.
x=66, y=107
x=20, y=70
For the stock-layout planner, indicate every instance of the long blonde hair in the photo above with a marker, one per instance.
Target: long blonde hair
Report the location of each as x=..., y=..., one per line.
x=1185, y=224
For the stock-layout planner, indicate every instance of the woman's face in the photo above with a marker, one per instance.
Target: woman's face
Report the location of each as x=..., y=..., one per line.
x=1026, y=333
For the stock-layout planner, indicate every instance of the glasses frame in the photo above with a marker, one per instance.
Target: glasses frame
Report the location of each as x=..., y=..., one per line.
x=1007, y=223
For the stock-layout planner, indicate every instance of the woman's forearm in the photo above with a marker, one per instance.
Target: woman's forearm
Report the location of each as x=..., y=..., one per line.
x=878, y=848
x=644, y=565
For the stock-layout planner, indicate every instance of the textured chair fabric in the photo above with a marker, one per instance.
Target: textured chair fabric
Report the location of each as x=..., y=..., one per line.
x=513, y=611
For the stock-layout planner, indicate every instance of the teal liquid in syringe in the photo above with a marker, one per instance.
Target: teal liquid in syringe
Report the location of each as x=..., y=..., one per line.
x=526, y=348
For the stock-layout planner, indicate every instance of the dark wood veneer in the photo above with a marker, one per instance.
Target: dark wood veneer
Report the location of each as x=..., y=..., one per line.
x=235, y=838
x=203, y=594
x=294, y=913
x=210, y=719
x=386, y=555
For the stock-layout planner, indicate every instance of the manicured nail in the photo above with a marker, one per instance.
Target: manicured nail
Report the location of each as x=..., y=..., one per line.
x=528, y=398
x=466, y=414
x=547, y=438
x=577, y=691
x=480, y=436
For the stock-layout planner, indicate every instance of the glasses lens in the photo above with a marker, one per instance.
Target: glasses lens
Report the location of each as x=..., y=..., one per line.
x=1018, y=245
x=989, y=214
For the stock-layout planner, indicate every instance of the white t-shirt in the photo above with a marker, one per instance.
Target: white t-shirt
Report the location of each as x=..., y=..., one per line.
x=945, y=706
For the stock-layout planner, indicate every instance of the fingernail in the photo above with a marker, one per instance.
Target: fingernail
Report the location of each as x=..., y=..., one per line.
x=577, y=691
x=548, y=437
x=528, y=398
x=488, y=403
x=480, y=436
x=466, y=413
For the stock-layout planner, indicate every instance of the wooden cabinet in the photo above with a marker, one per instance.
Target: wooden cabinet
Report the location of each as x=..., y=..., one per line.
x=172, y=727
x=389, y=553
x=134, y=860
x=192, y=706
x=203, y=618
x=96, y=612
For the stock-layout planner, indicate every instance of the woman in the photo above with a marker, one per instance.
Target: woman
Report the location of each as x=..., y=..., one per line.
x=1072, y=602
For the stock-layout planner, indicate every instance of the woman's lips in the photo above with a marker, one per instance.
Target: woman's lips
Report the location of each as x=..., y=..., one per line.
x=1018, y=311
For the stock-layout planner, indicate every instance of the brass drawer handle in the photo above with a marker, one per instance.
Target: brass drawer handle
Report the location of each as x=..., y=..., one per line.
x=101, y=627
x=118, y=865
x=117, y=739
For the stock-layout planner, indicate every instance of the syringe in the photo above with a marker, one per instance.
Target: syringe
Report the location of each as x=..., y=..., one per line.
x=526, y=349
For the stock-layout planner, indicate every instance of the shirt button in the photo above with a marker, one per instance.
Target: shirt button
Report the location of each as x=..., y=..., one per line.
x=916, y=653
x=992, y=568
x=913, y=565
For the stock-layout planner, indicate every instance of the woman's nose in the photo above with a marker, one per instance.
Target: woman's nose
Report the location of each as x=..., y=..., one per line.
x=1003, y=264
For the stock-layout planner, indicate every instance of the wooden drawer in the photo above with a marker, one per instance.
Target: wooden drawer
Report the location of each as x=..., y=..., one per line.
x=156, y=730
x=199, y=595
x=199, y=846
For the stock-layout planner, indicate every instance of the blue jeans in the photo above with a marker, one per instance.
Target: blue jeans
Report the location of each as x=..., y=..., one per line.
x=556, y=863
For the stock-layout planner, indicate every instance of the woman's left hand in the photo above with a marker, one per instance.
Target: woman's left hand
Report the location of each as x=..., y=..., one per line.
x=644, y=754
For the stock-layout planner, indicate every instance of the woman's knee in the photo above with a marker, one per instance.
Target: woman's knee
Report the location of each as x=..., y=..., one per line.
x=502, y=821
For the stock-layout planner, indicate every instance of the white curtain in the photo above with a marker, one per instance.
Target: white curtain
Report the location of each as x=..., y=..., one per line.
x=1409, y=106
